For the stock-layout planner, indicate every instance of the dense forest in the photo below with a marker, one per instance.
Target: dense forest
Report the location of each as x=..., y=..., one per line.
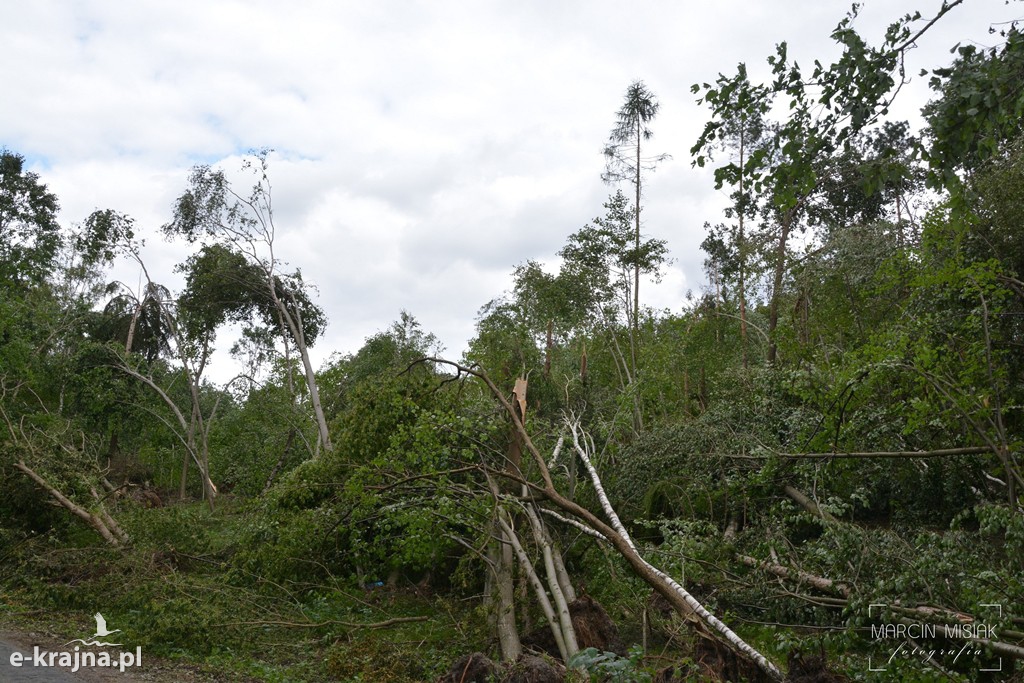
x=810, y=472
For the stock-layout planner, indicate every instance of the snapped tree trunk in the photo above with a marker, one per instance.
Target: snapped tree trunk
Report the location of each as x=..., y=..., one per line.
x=559, y=586
x=555, y=619
x=688, y=606
x=100, y=520
x=616, y=534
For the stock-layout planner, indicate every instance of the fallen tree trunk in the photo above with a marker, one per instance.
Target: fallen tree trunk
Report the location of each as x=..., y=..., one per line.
x=867, y=455
x=933, y=614
x=819, y=582
x=684, y=603
x=679, y=596
x=565, y=638
x=806, y=503
x=186, y=435
x=102, y=522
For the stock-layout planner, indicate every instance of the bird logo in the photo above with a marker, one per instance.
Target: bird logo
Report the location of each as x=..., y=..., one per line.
x=101, y=632
x=101, y=627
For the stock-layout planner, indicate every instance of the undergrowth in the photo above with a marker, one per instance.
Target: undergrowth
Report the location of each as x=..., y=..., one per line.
x=176, y=593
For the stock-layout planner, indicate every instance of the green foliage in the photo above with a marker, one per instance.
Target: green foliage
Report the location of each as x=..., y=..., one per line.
x=104, y=235
x=979, y=109
x=410, y=527
x=173, y=529
x=260, y=439
x=810, y=166
x=390, y=497
x=649, y=481
x=893, y=335
x=29, y=233
x=623, y=157
x=139, y=318
x=610, y=667
x=237, y=275
x=604, y=258
x=221, y=286
x=996, y=232
x=424, y=657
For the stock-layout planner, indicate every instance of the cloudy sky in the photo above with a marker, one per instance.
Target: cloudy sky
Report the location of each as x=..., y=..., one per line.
x=423, y=149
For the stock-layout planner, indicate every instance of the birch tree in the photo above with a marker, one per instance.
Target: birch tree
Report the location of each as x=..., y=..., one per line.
x=211, y=210
x=609, y=528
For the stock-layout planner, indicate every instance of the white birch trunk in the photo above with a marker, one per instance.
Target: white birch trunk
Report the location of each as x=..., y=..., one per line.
x=561, y=576
x=538, y=588
x=557, y=595
x=616, y=534
x=697, y=609
x=298, y=334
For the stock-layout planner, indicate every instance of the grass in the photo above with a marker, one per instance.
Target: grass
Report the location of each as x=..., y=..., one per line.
x=176, y=593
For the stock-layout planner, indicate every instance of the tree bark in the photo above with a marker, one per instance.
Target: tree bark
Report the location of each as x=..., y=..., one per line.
x=298, y=334
x=806, y=503
x=561, y=589
x=187, y=428
x=636, y=242
x=742, y=252
x=780, y=271
x=183, y=484
x=554, y=620
x=508, y=634
x=616, y=534
x=688, y=606
x=280, y=461
x=867, y=455
x=819, y=582
x=548, y=347
x=111, y=532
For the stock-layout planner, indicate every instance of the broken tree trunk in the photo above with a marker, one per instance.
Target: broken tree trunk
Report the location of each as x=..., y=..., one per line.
x=556, y=582
x=543, y=538
x=616, y=534
x=566, y=648
x=504, y=592
x=680, y=598
x=102, y=522
x=807, y=504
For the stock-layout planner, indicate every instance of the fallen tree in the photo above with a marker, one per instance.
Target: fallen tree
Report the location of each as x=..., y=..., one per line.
x=704, y=622
x=98, y=518
x=902, y=613
x=35, y=452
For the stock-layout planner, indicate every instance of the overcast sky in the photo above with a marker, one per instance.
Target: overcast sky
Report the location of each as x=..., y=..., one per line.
x=423, y=149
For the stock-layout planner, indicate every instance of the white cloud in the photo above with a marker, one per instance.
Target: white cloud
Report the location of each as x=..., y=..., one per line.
x=424, y=148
